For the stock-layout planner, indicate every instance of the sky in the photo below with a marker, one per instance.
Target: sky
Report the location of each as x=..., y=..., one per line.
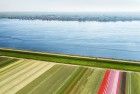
x=70, y=5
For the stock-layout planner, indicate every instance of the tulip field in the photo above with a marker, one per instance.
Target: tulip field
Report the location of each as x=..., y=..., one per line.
x=26, y=76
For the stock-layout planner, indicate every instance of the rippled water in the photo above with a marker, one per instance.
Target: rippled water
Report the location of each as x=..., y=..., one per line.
x=119, y=40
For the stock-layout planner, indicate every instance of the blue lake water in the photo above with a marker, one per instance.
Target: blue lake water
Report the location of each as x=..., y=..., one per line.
x=119, y=40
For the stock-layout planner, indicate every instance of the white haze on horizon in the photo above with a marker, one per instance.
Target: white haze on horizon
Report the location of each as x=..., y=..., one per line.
x=70, y=5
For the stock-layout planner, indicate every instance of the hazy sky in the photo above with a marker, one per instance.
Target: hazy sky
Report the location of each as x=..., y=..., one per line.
x=69, y=5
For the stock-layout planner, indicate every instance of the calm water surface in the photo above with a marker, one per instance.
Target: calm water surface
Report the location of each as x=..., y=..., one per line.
x=119, y=40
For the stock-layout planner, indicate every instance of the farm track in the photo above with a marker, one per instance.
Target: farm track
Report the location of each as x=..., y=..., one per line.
x=24, y=76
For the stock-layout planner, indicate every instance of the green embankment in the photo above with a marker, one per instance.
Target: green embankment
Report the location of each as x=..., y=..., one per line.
x=77, y=60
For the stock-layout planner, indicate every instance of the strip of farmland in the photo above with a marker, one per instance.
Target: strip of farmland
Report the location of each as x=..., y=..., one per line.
x=76, y=60
x=26, y=76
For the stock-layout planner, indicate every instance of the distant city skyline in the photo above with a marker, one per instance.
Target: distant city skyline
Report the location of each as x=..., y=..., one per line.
x=70, y=5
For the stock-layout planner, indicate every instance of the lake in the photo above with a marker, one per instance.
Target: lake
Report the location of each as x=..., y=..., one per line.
x=120, y=40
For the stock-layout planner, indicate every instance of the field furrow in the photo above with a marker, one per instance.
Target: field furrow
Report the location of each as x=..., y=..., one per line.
x=79, y=86
x=34, y=84
x=29, y=78
x=11, y=66
x=20, y=71
x=53, y=82
x=128, y=83
x=14, y=69
x=93, y=82
x=7, y=61
x=77, y=77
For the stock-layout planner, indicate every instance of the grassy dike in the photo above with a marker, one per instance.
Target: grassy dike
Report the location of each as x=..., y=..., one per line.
x=77, y=60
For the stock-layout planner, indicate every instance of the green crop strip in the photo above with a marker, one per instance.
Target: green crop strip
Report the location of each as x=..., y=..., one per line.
x=72, y=81
x=37, y=81
x=135, y=82
x=84, y=61
x=94, y=82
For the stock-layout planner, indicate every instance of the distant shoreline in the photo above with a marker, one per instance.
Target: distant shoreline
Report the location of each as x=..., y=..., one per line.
x=81, y=17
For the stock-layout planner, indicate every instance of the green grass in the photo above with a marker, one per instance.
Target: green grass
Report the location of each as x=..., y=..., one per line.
x=77, y=60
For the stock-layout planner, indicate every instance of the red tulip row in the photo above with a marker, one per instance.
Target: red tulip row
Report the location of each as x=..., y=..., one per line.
x=110, y=83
